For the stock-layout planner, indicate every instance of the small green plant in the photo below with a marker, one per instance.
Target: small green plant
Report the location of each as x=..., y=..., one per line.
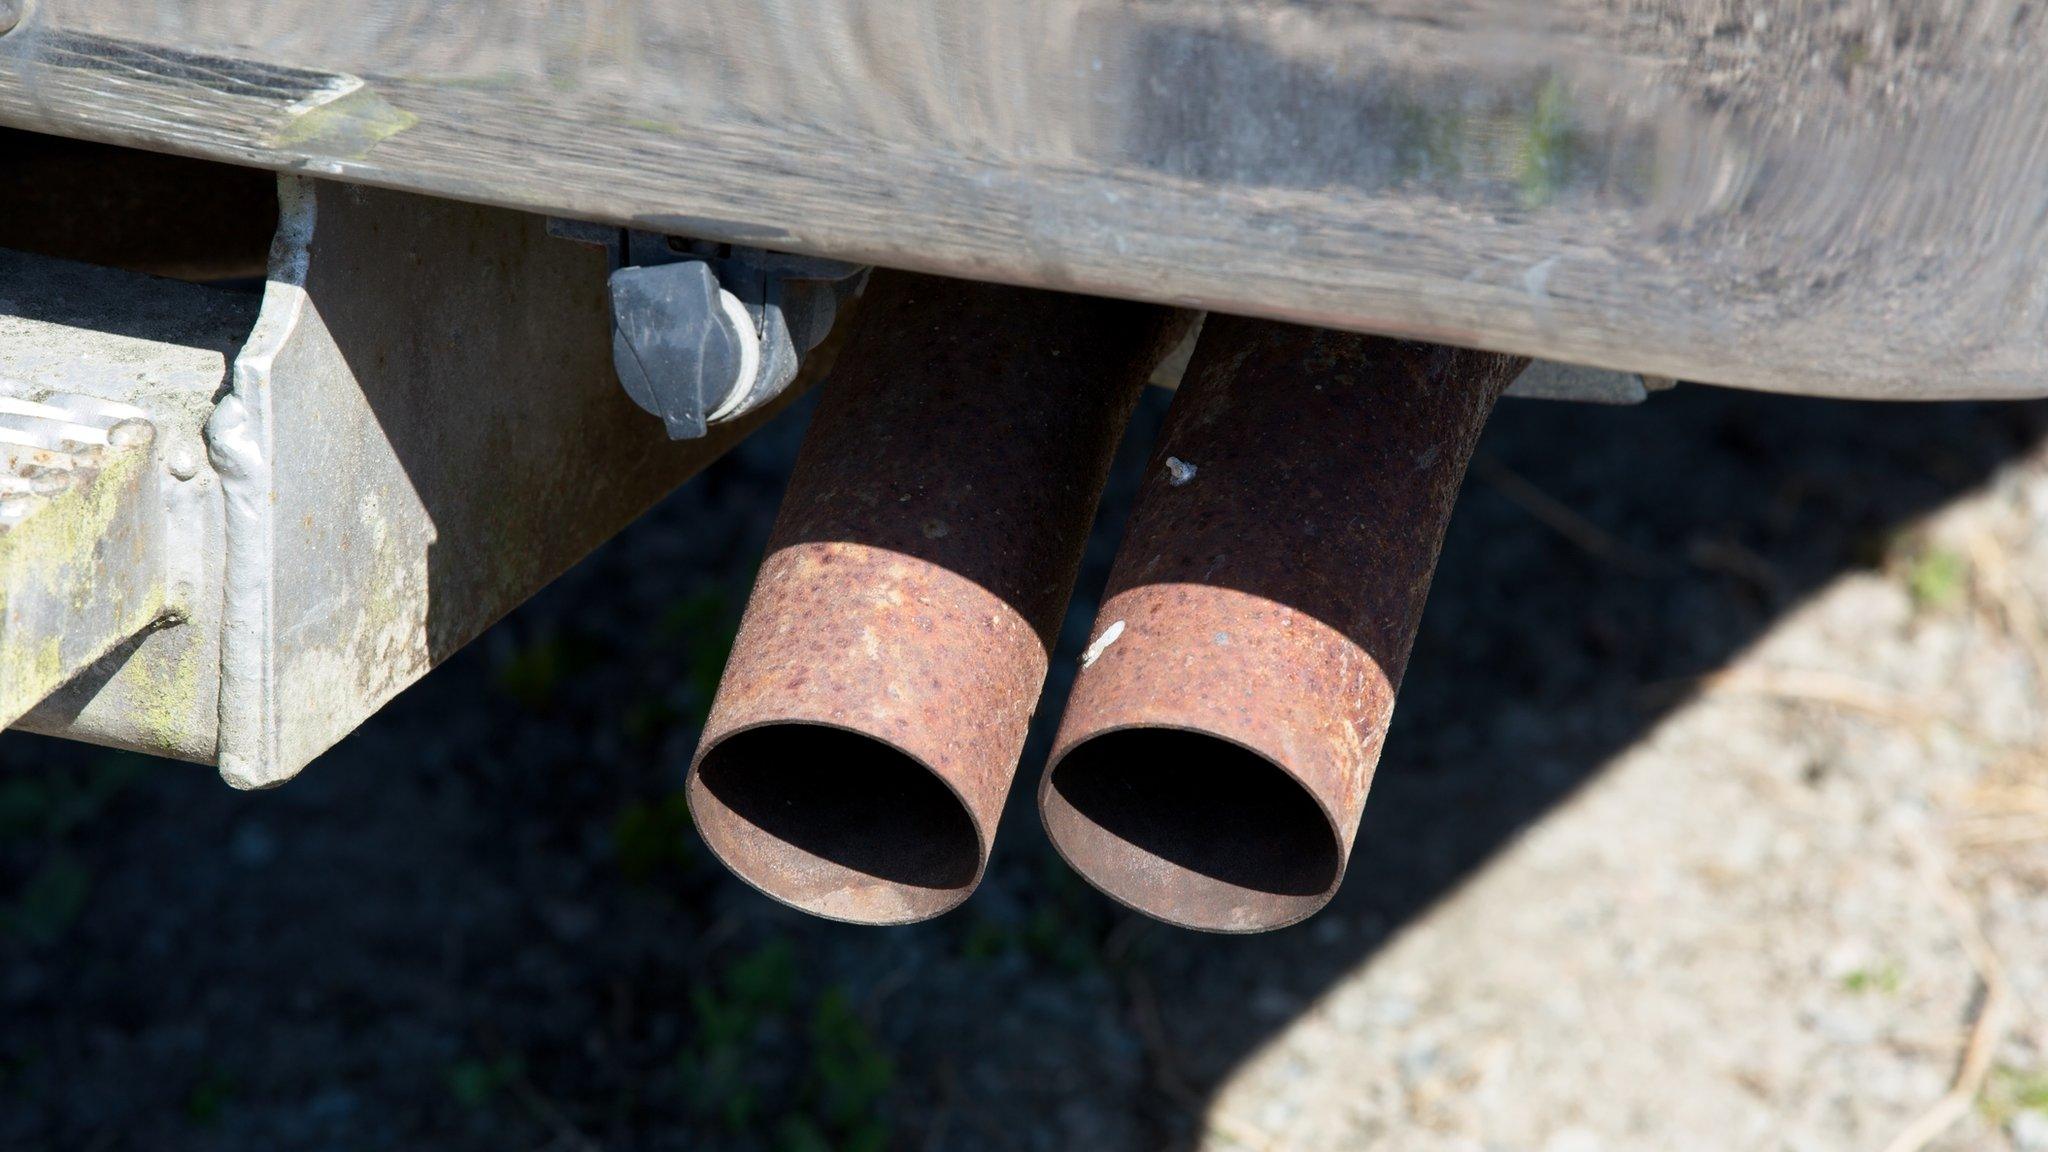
x=755, y=991
x=652, y=839
x=739, y=1064
x=1885, y=978
x=2009, y=1090
x=476, y=1083
x=850, y=1075
x=1937, y=578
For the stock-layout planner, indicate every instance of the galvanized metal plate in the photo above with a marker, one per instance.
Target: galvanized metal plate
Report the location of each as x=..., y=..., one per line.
x=424, y=429
x=134, y=545
x=81, y=539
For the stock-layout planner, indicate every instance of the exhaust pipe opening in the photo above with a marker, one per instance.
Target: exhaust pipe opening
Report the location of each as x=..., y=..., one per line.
x=1217, y=748
x=827, y=810
x=1193, y=828
x=868, y=725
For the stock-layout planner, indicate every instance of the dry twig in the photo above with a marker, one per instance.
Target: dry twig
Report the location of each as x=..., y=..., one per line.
x=1989, y=1025
x=1548, y=511
x=1800, y=685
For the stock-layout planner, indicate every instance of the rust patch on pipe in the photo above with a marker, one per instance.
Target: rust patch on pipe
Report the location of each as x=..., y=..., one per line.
x=1213, y=762
x=868, y=725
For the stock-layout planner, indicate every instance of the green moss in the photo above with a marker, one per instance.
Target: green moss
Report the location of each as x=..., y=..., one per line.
x=1549, y=146
x=49, y=564
x=346, y=127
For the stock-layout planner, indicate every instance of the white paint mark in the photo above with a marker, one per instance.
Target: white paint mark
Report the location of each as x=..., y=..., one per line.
x=339, y=85
x=1102, y=643
x=1536, y=281
x=1179, y=471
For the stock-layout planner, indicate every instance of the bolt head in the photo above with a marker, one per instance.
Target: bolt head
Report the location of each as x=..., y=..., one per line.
x=11, y=12
x=182, y=463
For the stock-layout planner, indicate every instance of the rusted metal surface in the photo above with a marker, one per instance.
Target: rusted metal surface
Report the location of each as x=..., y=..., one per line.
x=1214, y=758
x=869, y=722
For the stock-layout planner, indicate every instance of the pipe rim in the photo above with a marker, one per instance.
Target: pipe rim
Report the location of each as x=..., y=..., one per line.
x=1051, y=802
x=701, y=798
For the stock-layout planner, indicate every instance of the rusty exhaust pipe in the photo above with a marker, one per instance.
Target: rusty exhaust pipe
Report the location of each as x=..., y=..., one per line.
x=1213, y=761
x=868, y=725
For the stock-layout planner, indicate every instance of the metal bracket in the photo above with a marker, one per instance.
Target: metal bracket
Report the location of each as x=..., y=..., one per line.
x=110, y=560
x=329, y=489
x=703, y=333
x=1550, y=380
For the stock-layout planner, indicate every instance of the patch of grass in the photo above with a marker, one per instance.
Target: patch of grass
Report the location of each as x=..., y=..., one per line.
x=765, y=979
x=2010, y=1090
x=1885, y=978
x=850, y=1075
x=1937, y=578
x=476, y=1083
x=652, y=839
x=747, y=1068
x=753, y=992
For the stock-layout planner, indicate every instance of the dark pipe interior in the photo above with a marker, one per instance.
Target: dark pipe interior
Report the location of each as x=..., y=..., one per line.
x=1202, y=805
x=846, y=800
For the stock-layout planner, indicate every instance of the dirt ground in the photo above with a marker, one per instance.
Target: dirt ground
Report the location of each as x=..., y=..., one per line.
x=1715, y=815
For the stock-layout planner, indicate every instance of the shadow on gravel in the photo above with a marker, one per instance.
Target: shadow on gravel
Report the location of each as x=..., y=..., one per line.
x=483, y=922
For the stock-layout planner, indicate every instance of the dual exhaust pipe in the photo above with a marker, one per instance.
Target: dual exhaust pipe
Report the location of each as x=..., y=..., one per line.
x=1213, y=761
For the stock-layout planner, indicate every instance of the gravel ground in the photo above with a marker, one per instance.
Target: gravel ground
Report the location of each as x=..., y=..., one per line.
x=1715, y=815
